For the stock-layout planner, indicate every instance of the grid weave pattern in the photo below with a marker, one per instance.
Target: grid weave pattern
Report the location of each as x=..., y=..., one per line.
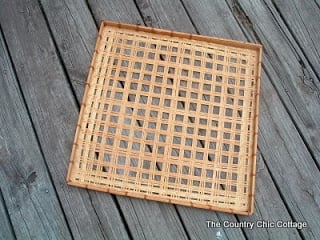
x=170, y=117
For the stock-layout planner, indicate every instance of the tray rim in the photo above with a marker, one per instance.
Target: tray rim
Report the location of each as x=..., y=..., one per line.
x=189, y=36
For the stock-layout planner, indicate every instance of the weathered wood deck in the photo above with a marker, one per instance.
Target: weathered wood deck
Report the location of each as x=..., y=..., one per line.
x=45, y=51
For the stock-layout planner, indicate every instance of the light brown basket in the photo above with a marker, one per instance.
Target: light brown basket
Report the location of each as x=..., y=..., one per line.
x=171, y=117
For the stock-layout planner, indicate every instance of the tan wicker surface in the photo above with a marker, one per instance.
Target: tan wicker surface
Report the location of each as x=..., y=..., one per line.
x=170, y=117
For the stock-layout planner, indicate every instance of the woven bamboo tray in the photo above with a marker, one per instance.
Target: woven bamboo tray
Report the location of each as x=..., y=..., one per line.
x=171, y=117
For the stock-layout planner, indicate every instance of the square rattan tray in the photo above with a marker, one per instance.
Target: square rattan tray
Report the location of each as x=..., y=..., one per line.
x=171, y=117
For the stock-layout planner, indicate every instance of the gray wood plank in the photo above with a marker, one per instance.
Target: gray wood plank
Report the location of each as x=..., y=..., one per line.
x=165, y=14
x=152, y=220
x=283, y=149
x=290, y=163
x=31, y=199
x=302, y=19
x=6, y=231
x=268, y=207
x=294, y=80
x=54, y=114
x=122, y=11
x=75, y=32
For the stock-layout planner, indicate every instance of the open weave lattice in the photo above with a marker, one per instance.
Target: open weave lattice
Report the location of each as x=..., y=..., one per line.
x=171, y=117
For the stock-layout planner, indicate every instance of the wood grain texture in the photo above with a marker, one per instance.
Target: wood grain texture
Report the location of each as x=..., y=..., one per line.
x=294, y=80
x=53, y=111
x=6, y=230
x=151, y=220
x=281, y=146
x=269, y=207
x=290, y=163
x=76, y=27
x=75, y=32
x=165, y=14
x=121, y=11
x=302, y=20
x=30, y=197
